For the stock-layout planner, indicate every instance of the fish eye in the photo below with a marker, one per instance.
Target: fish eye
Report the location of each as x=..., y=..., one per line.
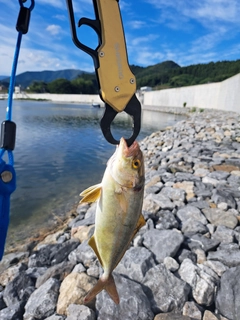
x=136, y=164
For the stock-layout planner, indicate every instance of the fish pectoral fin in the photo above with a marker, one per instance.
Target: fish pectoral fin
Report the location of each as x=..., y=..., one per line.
x=107, y=284
x=93, y=245
x=121, y=199
x=91, y=194
x=140, y=224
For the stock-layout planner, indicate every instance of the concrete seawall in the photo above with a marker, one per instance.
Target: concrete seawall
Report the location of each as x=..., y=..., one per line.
x=223, y=95
x=67, y=98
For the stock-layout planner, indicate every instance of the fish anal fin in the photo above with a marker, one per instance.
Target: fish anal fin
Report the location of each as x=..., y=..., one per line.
x=91, y=194
x=93, y=245
x=107, y=284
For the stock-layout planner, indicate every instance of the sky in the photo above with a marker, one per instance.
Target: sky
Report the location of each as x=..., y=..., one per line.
x=185, y=31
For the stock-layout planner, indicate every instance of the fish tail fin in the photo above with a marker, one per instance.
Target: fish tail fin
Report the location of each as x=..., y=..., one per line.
x=107, y=284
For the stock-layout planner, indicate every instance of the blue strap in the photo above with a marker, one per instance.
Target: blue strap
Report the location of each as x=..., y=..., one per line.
x=6, y=189
x=7, y=172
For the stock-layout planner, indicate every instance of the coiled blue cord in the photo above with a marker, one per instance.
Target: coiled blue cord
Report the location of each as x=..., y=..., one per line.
x=7, y=172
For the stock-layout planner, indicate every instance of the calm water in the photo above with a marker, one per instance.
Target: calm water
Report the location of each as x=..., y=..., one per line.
x=59, y=152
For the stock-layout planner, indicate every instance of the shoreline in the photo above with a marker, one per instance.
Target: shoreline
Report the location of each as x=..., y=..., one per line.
x=191, y=205
x=18, y=244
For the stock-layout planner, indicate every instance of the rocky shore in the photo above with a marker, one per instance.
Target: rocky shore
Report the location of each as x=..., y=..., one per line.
x=184, y=264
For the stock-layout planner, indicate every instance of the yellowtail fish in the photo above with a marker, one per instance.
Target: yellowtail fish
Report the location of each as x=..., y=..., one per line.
x=118, y=213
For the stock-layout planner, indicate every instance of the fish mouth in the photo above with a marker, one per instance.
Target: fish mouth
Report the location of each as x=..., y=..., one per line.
x=131, y=151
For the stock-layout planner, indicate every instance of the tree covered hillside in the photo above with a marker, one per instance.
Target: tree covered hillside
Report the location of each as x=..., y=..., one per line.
x=175, y=76
x=166, y=74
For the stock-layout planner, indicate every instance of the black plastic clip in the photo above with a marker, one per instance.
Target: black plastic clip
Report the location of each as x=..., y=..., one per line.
x=8, y=135
x=23, y=20
x=24, y=17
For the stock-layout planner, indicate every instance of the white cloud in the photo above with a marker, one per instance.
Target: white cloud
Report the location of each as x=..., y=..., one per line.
x=54, y=3
x=137, y=24
x=60, y=17
x=53, y=29
x=139, y=41
x=204, y=11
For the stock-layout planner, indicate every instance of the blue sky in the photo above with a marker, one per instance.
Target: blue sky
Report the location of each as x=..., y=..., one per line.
x=185, y=31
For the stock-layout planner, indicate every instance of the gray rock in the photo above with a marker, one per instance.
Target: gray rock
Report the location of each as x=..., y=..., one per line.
x=133, y=304
x=93, y=270
x=191, y=226
x=135, y=263
x=167, y=176
x=203, y=285
x=223, y=234
x=17, y=289
x=83, y=253
x=219, y=196
x=228, y=296
x=2, y=303
x=36, y=272
x=228, y=258
x=191, y=212
x=216, y=266
x=184, y=176
x=192, y=310
x=14, y=312
x=200, y=204
x=63, y=251
x=184, y=254
x=79, y=268
x=172, y=316
x=203, y=190
x=171, y=264
x=230, y=189
x=174, y=193
x=163, y=243
x=59, y=271
x=41, y=257
x=219, y=217
x=166, y=220
x=55, y=317
x=199, y=241
x=42, y=302
x=11, y=259
x=163, y=201
x=228, y=246
x=165, y=292
x=51, y=254
x=219, y=175
x=80, y=312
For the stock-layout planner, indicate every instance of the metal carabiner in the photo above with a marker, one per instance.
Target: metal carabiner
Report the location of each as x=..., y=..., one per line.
x=116, y=82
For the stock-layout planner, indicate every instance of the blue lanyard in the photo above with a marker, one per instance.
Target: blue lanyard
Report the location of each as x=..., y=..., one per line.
x=8, y=134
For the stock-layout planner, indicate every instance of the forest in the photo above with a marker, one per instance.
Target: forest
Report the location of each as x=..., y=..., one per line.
x=163, y=75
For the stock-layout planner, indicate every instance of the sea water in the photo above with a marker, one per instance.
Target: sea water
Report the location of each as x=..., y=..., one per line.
x=59, y=152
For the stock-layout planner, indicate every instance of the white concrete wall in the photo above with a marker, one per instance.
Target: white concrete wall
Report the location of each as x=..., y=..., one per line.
x=223, y=95
x=68, y=98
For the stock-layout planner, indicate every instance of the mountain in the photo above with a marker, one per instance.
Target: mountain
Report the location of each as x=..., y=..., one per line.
x=167, y=74
x=170, y=75
x=3, y=77
x=26, y=78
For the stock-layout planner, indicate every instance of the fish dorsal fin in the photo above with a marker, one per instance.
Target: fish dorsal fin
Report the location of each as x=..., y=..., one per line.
x=93, y=245
x=91, y=194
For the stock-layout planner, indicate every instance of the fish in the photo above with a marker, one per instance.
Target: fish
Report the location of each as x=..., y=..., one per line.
x=118, y=214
